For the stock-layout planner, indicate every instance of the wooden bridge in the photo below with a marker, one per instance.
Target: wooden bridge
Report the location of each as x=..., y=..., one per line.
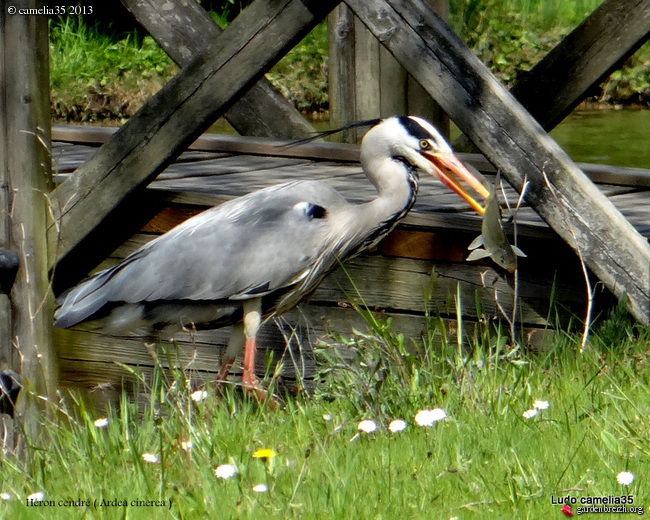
x=132, y=182
x=415, y=272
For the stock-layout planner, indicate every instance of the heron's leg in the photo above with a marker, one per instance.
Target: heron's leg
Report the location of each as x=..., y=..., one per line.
x=252, y=320
x=235, y=346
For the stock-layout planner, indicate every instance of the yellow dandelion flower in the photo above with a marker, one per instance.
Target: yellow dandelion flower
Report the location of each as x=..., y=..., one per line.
x=264, y=453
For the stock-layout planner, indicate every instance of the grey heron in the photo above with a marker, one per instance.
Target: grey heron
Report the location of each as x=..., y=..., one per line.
x=263, y=253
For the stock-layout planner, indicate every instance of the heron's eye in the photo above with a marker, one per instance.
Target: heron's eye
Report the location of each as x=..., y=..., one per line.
x=424, y=144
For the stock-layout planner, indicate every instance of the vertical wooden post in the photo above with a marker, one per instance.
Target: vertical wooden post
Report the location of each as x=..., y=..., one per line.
x=366, y=81
x=367, y=74
x=418, y=100
x=25, y=170
x=342, y=101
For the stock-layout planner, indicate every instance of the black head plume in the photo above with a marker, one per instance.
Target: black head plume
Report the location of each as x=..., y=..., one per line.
x=326, y=133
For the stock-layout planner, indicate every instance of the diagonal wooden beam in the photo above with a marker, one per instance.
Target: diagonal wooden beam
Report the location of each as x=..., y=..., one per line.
x=514, y=142
x=184, y=30
x=176, y=115
x=582, y=60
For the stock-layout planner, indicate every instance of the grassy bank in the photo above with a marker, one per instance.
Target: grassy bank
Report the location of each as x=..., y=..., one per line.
x=490, y=457
x=96, y=76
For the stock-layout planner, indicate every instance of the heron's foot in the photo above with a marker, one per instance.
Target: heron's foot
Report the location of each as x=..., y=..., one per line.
x=251, y=384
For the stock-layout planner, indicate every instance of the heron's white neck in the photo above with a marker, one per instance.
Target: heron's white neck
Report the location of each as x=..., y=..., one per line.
x=395, y=182
x=396, y=187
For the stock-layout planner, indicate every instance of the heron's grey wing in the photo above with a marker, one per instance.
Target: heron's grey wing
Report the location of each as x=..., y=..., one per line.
x=247, y=247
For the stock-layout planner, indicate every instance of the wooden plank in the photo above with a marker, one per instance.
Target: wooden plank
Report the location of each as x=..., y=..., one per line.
x=366, y=73
x=26, y=176
x=582, y=60
x=90, y=360
x=601, y=173
x=406, y=285
x=515, y=143
x=225, y=144
x=636, y=207
x=367, y=82
x=175, y=116
x=419, y=102
x=7, y=352
x=184, y=30
x=230, y=165
x=435, y=208
x=180, y=180
x=342, y=96
x=392, y=84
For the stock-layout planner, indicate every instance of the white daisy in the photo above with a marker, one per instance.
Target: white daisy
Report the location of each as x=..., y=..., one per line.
x=529, y=414
x=540, y=405
x=187, y=445
x=199, y=395
x=260, y=488
x=225, y=471
x=625, y=478
x=102, y=422
x=327, y=417
x=397, y=425
x=150, y=458
x=36, y=497
x=367, y=426
x=5, y=496
x=428, y=417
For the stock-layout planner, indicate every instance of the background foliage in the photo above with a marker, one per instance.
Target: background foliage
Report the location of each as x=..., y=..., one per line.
x=103, y=68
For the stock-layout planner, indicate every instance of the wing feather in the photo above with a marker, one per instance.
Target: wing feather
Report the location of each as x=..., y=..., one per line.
x=245, y=248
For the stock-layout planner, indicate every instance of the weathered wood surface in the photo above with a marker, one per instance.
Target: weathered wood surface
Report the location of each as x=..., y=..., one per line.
x=70, y=153
x=175, y=116
x=6, y=348
x=367, y=82
x=27, y=172
x=513, y=141
x=582, y=60
x=25, y=175
x=229, y=166
x=343, y=106
x=184, y=30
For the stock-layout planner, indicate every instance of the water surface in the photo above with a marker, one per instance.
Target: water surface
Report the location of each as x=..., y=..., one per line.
x=619, y=137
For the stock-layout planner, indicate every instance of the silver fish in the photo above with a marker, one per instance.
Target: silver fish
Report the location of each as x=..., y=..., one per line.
x=493, y=239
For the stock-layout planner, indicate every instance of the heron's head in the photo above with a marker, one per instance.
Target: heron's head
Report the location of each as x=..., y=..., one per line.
x=417, y=142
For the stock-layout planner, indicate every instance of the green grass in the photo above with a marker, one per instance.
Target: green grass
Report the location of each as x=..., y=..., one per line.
x=485, y=460
x=301, y=76
x=97, y=77
x=540, y=15
x=511, y=36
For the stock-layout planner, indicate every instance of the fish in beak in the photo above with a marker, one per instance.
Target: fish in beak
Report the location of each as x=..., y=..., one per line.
x=452, y=172
x=492, y=242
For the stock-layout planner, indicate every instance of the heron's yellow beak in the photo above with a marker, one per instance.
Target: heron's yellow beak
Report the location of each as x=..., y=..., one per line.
x=451, y=171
